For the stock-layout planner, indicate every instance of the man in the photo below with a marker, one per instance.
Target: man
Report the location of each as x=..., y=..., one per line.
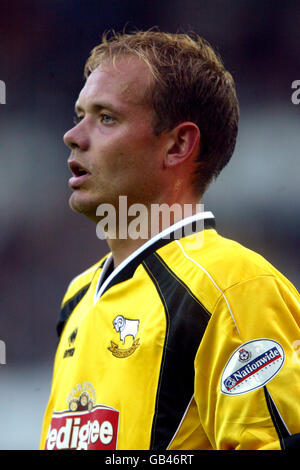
x=171, y=341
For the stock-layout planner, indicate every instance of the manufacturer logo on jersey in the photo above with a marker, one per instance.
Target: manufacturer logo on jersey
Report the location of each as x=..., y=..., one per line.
x=262, y=358
x=70, y=351
x=85, y=425
x=125, y=327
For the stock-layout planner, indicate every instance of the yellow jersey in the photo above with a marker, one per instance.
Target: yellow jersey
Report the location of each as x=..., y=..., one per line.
x=189, y=344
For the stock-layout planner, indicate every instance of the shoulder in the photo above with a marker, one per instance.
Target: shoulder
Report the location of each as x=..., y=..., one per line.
x=236, y=283
x=226, y=261
x=213, y=264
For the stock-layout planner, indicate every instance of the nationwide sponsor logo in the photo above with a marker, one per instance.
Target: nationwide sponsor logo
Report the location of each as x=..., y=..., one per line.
x=125, y=327
x=85, y=426
x=263, y=358
x=244, y=355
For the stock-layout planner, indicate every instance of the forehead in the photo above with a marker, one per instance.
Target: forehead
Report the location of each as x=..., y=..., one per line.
x=123, y=82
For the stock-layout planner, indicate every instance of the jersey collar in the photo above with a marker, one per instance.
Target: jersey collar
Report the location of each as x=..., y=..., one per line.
x=126, y=269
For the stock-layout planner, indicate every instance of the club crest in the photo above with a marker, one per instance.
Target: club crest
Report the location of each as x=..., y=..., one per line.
x=126, y=328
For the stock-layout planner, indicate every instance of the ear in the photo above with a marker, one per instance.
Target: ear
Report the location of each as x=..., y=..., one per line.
x=183, y=143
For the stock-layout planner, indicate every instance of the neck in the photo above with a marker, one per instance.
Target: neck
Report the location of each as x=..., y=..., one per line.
x=132, y=231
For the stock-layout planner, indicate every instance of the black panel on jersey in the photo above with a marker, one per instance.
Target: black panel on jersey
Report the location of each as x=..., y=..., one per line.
x=69, y=307
x=283, y=434
x=292, y=442
x=187, y=320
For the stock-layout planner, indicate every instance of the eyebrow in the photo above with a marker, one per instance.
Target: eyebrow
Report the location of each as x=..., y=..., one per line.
x=96, y=107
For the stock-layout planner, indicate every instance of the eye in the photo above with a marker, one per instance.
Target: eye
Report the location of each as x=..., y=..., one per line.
x=106, y=118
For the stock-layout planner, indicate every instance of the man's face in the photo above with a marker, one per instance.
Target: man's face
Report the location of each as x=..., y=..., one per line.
x=113, y=149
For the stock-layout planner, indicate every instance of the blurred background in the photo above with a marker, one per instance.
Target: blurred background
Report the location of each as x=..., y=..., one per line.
x=43, y=245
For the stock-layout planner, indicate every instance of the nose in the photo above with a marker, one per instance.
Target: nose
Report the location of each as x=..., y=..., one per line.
x=76, y=138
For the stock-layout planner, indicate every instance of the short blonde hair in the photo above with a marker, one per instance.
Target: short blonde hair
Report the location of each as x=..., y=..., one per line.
x=190, y=82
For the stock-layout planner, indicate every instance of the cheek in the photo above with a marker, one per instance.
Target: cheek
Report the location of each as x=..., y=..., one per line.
x=133, y=151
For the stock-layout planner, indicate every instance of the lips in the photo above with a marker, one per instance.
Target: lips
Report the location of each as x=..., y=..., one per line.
x=80, y=174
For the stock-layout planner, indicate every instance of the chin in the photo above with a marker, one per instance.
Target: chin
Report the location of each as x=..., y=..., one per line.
x=81, y=206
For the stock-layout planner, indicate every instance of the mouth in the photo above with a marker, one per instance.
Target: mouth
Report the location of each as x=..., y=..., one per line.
x=80, y=174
